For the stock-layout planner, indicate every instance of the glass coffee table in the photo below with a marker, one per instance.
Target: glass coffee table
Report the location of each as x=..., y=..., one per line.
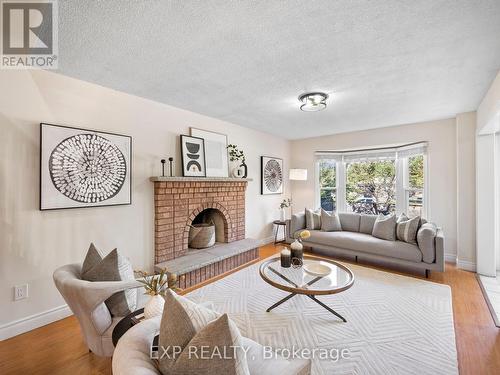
x=317, y=276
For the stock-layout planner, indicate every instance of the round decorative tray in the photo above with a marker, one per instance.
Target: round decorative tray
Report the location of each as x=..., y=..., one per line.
x=316, y=269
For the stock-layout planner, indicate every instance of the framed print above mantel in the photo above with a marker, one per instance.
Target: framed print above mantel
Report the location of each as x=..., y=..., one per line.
x=193, y=156
x=83, y=168
x=215, y=152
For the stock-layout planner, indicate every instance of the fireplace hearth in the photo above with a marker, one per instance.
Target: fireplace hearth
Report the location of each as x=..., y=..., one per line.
x=183, y=203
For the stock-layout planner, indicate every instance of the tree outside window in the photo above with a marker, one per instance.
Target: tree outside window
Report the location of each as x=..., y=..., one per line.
x=370, y=187
x=415, y=190
x=328, y=185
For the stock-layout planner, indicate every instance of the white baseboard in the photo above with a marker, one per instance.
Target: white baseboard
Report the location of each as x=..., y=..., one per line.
x=29, y=323
x=452, y=258
x=466, y=265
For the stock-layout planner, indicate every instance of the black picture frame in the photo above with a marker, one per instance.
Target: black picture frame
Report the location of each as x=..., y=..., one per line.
x=41, y=190
x=263, y=188
x=185, y=171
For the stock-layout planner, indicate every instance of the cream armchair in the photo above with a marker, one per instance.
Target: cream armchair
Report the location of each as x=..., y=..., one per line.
x=133, y=355
x=86, y=300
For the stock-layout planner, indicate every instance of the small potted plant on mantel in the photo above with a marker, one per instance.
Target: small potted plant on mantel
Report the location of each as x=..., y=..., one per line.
x=237, y=155
x=155, y=286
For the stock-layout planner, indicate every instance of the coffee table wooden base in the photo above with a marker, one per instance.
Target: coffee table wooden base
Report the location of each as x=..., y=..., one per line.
x=311, y=297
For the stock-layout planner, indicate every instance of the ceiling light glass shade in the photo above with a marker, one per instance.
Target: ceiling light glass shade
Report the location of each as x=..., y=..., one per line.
x=313, y=101
x=298, y=174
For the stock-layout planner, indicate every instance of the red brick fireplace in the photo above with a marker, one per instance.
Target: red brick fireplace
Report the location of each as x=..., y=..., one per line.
x=178, y=201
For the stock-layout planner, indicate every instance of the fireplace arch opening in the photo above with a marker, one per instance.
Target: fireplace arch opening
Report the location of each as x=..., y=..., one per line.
x=207, y=228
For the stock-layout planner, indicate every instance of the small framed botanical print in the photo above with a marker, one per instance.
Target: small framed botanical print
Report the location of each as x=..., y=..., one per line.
x=193, y=156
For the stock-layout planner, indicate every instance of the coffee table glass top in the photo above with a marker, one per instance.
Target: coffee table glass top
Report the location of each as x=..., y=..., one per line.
x=315, y=277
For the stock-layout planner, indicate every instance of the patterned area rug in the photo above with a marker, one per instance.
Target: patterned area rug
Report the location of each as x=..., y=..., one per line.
x=395, y=324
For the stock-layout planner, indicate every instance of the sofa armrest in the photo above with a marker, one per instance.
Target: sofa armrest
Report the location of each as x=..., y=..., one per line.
x=297, y=222
x=439, y=242
x=426, y=240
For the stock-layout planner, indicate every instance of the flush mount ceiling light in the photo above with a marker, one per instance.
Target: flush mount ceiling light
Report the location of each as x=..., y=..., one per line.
x=313, y=101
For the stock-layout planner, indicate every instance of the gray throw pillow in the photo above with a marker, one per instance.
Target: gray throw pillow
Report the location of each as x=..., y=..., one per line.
x=313, y=219
x=385, y=227
x=186, y=325
x=406, y=229
x=115, y=267
x=330, y=222
x=92, y=258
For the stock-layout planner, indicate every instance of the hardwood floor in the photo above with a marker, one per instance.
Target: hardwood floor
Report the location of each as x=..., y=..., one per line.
x=58, y=348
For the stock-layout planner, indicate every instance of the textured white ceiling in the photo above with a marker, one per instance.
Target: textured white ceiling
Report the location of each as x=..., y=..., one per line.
x=382, y=62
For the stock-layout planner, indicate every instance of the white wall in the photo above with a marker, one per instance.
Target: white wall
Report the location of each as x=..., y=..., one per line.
x=488, y=112
x=487, y=181
x=466, y=190
x=442, y=166
x=34, y=243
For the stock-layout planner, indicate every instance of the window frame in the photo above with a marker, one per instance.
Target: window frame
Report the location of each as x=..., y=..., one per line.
x=402, y=183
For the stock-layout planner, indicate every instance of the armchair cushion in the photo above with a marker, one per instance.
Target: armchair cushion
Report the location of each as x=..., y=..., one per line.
x=181, y=325
x=92, y=259
x=115, y=267
x=220, y=335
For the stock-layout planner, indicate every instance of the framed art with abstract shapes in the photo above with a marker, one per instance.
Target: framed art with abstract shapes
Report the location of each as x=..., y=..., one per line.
x=193, y=156
x=271, y=175
x=83, y=168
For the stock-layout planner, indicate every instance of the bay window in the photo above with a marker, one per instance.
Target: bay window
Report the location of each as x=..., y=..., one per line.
x=385, y=180
x=327, y=185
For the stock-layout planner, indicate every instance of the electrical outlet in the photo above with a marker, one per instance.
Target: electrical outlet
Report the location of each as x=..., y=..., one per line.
x=20, y=292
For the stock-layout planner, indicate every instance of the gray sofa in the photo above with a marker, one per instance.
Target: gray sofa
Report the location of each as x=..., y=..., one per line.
x=355, y=240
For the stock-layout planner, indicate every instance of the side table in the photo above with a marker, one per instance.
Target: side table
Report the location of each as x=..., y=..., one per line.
x=279, y=224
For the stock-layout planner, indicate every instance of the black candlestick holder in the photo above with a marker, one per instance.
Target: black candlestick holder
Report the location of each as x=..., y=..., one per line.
x=171, y=160
x=163, y=161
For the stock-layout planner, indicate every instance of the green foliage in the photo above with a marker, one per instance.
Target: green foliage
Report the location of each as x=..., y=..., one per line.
x=371, y=179
x=235, y=154
x=416, y=171
x=327, y=175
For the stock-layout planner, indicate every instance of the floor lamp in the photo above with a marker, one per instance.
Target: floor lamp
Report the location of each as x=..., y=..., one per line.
x=296, y=175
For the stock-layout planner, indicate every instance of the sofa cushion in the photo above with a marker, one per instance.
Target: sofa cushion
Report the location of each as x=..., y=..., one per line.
x=349, y=221
x=115, y=267
x=330, y=222
x=406, y=229
x=366, y=223
x=367, y=244
x=385, y=227
x=426, y=236
x=297, y=222
x=313, y=219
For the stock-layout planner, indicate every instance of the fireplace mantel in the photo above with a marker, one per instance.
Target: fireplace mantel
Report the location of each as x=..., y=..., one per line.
x=198, y=179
